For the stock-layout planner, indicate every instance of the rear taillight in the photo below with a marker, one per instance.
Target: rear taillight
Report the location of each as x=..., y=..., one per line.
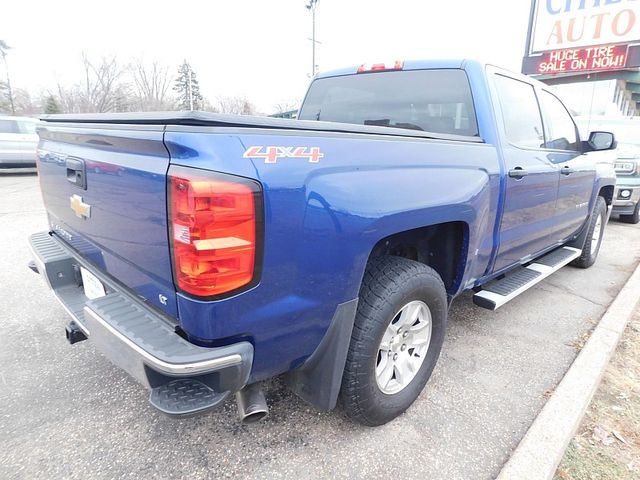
x=215, y=226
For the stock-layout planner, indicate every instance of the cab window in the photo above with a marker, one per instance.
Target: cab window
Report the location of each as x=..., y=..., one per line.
x=560, y=130
x=520, y=112
x=437, y=101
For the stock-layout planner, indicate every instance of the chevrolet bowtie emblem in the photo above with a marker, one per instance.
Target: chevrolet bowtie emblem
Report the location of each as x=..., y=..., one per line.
x=82, y=210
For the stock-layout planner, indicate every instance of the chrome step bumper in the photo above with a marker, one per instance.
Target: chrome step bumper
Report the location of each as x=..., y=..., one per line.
x=140, y=340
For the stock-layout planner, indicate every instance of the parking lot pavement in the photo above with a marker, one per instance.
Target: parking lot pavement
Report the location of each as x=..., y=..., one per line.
x=65, y=412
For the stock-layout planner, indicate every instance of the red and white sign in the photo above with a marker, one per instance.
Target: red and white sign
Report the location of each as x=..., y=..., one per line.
x=570, y=24
x=271, y=154
x=591, y=59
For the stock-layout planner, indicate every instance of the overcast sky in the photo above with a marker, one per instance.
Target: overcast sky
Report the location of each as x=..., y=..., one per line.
x=259, y=49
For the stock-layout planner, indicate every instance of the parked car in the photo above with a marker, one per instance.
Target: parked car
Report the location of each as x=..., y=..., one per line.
x=232, y=249
x=626, y=199
x=18, y=141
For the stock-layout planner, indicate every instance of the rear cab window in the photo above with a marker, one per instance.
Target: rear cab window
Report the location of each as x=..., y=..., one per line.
x=437, y=101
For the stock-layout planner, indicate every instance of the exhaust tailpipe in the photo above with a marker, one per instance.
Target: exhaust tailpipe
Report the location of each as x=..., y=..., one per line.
x=252, y=406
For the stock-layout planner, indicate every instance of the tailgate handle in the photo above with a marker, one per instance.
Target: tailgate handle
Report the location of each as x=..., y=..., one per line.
x=77, y=172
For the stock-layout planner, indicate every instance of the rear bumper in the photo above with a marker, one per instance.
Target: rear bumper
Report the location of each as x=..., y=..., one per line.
x=134, y=336
x=625, y=205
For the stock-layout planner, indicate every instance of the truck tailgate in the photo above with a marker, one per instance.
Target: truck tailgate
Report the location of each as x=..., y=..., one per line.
x=105, y=193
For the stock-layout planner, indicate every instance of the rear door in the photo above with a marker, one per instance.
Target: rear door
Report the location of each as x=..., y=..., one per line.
x=105, y=193
x=531, y=182
x=577, y=170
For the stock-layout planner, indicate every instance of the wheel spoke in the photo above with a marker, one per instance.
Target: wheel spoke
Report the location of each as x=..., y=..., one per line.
x=386, y=338
x=419, y=341
x=422, y=324
x=382, y=363
x=410, y=365
x=386, y=372
x=401, y=373
x=409, y=315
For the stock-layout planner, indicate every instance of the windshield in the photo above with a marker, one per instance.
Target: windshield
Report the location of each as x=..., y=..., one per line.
x=437, y=101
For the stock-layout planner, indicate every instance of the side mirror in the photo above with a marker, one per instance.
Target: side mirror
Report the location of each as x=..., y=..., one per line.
x=602, y=141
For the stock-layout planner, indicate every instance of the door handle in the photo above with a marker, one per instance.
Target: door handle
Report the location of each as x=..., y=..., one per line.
x=77, y=172
x=518, y=173
x=567, y=170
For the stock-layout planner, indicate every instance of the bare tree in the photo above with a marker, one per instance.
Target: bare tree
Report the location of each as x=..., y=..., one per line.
x=151, y=84
x=24, y=104
x=207, y=106
x=103, y=89
x=286, y=106
x=69, y=98
x=236, y=105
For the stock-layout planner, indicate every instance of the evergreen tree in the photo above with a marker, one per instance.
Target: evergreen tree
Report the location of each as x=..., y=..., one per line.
x=187, y=88
x=51, y=105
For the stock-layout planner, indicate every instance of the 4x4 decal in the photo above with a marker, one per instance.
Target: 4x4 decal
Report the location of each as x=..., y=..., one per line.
x=271, y=154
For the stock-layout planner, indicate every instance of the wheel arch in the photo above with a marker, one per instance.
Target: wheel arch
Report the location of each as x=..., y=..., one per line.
x=443, y=247
x=606, y=192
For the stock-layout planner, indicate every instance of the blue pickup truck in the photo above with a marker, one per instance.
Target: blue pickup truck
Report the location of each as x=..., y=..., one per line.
x=205, y=253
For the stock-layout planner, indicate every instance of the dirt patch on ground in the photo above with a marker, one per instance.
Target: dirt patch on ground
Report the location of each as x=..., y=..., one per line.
x=607, y=445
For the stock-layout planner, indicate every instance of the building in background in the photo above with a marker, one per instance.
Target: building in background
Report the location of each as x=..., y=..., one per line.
x=590, y=51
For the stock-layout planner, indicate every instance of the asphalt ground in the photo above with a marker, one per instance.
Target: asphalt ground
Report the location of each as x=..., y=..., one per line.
x=66, y=412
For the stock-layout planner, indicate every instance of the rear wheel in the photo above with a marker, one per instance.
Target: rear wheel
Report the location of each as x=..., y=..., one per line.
x=632, y=218
x=595, y=229
x=396, y=340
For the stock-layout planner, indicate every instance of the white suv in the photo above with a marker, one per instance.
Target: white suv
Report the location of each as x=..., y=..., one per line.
x=18, y=141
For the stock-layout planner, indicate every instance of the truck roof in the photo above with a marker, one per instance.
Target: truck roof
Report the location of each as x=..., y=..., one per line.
x=464, y=63
x=408, y=65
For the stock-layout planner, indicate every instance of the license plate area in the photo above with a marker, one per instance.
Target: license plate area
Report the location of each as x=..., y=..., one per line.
x=93, y=288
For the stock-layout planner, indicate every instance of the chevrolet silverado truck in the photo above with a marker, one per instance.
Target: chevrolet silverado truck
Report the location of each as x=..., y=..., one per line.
x=229, y=250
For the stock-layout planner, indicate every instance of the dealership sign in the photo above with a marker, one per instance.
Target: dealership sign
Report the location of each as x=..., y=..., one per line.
x=582, y=36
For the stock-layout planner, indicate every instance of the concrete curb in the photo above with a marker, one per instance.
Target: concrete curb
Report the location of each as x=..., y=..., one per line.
x=543, y=446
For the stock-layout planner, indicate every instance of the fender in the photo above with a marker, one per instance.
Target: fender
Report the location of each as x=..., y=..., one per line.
x=319, y=379
x=605, y=178
x=467, y=195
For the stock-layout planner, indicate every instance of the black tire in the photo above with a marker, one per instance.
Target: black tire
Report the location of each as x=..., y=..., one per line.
x=588, y=258
x=633, y=218
x=389, y=283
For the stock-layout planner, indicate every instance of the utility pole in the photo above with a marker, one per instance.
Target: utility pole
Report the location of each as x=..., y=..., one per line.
x=312, y=7
x=190, y=91
x=3, y=51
